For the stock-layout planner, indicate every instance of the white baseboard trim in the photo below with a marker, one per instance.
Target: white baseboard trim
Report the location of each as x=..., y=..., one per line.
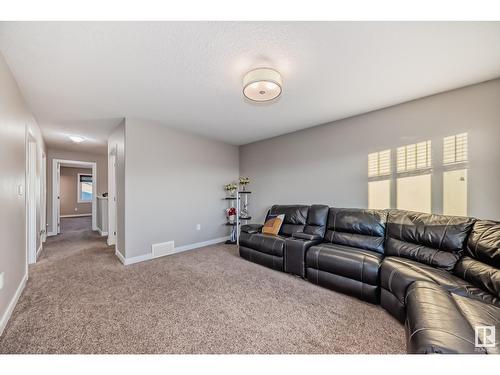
x=180, y=249
x=40, y=248
x=12, y=304
x=120, y=256
x=199, y=244
x=137, y=259
x=50, y=234
x=101, y=233
x=78, y=215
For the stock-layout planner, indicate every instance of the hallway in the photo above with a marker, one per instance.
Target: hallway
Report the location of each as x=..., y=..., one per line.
x=50, y=316
x=76, y=224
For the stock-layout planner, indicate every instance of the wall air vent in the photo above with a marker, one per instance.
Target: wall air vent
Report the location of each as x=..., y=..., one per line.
x=161, y=249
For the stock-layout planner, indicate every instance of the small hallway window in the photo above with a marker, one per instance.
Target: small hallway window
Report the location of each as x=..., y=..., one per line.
x=84, y=188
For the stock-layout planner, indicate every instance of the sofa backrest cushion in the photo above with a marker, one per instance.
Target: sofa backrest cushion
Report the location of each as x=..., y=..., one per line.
x=317, y=219
x=357, y=227
x=479, y=274
x=484, y=242
x=436, y=240
x=295, y=217
x=481, y=265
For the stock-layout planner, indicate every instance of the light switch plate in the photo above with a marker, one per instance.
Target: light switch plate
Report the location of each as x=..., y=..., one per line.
x=1, y=280
x=198, y=226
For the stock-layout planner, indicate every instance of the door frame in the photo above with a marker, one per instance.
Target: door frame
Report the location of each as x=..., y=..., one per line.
x=56, y=187
x=112, y=215
x=31, y=198
x=43, y=219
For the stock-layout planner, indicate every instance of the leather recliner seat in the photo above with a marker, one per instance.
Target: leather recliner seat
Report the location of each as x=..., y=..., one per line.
x=420, y=247
x=441, y=319
x=349, y=259
x=269, y=250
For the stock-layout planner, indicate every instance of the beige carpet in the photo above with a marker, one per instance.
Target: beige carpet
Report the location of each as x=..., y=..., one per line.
x=71, y=224
x=81, y=299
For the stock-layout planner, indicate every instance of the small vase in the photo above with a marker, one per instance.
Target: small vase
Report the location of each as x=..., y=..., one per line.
x=232, y=193
x=231, y=219
x=243, y=187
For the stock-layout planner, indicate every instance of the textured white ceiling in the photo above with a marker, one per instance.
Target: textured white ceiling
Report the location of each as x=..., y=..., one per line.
x=83, y=77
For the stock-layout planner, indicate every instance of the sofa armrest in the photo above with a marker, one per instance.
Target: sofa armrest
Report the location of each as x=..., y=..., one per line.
x=251, y=228
x=296, y=249
x=308, y=237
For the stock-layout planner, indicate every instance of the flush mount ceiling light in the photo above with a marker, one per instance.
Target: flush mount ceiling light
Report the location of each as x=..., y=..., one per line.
x=262, y=84
x=76, y=138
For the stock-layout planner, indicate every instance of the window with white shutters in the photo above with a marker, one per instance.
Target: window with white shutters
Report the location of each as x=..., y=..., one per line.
x=379, y=184
x=379, y=164
x=455, y=176
x=455, y=149
x=414, y=157
x=413, y=183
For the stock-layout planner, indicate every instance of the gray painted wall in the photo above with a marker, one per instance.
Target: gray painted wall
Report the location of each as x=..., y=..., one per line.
x=15, y=123
x=328, y=163
x=173, y=182
x=116, y=145
x=102, y=173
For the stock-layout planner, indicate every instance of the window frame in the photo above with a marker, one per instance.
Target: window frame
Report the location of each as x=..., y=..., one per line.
x=79, y=188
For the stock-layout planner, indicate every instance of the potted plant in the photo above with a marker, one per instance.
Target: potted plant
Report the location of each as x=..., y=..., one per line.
x=231, y=215
x=244, y=181
x=231, y=189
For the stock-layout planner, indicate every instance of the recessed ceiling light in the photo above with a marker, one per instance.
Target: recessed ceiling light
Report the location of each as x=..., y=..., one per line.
x=76, y=138
x=262, y=84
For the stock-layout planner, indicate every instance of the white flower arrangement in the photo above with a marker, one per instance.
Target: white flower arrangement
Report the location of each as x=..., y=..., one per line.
x=244, y=181
x=230, y=187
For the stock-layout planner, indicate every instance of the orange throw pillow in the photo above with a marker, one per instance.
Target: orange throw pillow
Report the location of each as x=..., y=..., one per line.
x=273, y=225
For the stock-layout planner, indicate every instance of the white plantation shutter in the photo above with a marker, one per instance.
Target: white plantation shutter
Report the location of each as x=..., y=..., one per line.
x=455, y=149
x=401, y=159
x=373, y=164
x=379, y=163
x=384, y=162
x=414, y=157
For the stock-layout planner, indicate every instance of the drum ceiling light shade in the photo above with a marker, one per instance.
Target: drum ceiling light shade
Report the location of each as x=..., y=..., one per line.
x=262, y=84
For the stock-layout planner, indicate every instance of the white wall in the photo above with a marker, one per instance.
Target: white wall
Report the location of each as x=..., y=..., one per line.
x=16, y=121
x=102, y=173
x=328, y=163
x=173, y=181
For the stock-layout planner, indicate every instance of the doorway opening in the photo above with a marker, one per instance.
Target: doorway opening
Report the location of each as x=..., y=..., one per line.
x=74, y=195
